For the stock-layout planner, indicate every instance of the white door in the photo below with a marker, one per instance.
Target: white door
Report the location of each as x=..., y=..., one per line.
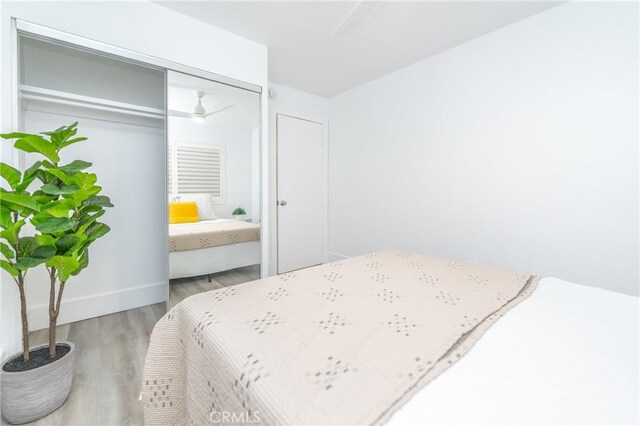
x=301, y=183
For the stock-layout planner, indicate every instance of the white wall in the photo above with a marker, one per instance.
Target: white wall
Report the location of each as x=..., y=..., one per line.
x=517, y=149
x=297, y=104
x=143, y=27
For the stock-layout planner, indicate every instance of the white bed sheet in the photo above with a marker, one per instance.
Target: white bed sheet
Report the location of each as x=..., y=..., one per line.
x=567, y=355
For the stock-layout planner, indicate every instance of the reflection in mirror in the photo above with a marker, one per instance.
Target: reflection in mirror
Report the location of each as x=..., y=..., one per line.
x=213, y=185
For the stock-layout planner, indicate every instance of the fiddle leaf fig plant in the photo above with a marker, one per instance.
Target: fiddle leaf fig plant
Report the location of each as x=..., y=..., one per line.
x=20, y=253
x=69, y=203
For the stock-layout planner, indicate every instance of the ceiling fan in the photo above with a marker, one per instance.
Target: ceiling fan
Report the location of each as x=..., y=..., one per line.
x=199, y=114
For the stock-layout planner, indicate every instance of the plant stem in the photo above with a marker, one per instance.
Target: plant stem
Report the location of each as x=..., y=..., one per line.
x=25, y=321
x=52, y=321
x=23, y=302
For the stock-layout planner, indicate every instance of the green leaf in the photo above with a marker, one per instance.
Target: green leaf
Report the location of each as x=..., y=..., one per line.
x=67, y=242
x=65, y=178
x=13, y=135
x=5, y=217
x=54, y=190
x=53, y=225
x=35, y=143
x=98, y=200
x=71, y=142
x=61, y=136
x=85, y=180
x=45, y=177
x=42, y=198
x=28, y=177
x=96, y=230
x=59, y=208
x=11, y=233
x=83, y=260
x=40, y=254
x=9, y=268
x=84, y=194
x=26, y=245
x=58, y=130
x=86, y=219
x=31, y=171
x=11, y=175
x=6, y=251
x=24, y=185
x=75, y=166
x=45, y=240
x=65, y=265
x=20, y=200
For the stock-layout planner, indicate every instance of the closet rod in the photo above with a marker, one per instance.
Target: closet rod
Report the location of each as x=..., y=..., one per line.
x=63, y=98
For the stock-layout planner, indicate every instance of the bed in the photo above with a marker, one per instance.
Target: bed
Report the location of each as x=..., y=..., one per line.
x=396, y=338
x=211, y=246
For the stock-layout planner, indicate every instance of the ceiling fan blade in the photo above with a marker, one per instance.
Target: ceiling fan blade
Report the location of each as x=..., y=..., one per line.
x=218, y=110
x=174, y=113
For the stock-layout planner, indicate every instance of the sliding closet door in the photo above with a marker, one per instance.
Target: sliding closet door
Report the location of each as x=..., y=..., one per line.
x=120, y=108
x=214, y=161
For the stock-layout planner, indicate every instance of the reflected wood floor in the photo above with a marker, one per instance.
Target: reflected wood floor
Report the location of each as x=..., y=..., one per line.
x=184, y=287
x=110, y=353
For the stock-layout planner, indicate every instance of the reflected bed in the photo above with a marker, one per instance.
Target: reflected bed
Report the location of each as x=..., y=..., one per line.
x=212, y=246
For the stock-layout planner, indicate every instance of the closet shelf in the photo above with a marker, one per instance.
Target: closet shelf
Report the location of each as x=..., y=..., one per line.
x=64, y=98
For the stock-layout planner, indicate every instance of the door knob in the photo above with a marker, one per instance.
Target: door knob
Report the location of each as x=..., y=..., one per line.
x=283, y=203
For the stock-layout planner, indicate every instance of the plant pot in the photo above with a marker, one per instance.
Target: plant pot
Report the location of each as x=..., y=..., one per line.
x=239, y=216
x=30, y=395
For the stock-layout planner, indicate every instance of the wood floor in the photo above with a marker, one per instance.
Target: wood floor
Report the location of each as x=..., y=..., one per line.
x=110, y=352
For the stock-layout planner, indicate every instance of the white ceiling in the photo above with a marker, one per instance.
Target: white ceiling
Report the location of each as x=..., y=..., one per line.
x=326, y=48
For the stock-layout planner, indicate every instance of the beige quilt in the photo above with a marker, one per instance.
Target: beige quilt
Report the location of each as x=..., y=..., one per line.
x=342, y=343
x=211, y=233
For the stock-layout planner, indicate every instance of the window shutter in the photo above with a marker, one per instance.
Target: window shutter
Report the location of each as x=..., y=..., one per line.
x=200, y=170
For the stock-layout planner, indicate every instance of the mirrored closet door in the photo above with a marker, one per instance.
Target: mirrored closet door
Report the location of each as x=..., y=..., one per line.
x=213, y=185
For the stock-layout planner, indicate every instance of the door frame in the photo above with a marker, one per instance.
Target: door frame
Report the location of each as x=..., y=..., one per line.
x=273, y=180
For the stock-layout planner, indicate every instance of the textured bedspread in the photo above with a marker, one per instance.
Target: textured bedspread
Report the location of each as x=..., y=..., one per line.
x=343, y=343
x=211, y=233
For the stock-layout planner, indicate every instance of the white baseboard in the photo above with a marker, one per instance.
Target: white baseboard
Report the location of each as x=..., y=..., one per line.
x=332, y=257
x=96, y=305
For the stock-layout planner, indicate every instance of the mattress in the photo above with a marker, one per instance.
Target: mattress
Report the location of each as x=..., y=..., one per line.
x=211, y=233
x=342, y=343
x=566, y=355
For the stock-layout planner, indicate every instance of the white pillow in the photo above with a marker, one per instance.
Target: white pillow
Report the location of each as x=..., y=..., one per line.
x=205, y=205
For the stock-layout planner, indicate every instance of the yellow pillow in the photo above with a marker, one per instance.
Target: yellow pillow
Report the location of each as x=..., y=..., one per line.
x=183, y=212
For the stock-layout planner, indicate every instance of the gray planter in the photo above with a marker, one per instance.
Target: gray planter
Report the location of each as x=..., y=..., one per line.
x=30, y=395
